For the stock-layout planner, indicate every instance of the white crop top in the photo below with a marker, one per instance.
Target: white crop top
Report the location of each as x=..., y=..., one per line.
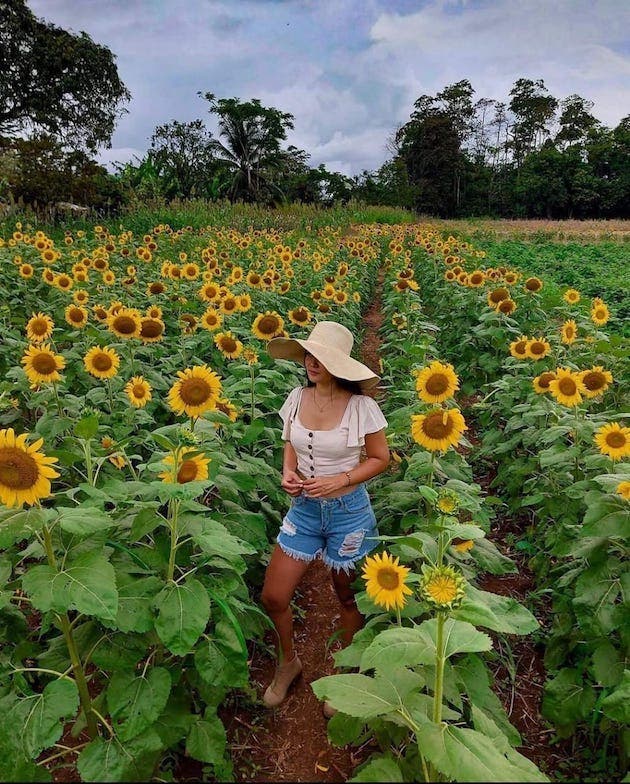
x=328, y=452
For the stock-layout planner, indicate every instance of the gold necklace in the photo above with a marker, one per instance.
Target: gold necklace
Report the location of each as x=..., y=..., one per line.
x=325, y=406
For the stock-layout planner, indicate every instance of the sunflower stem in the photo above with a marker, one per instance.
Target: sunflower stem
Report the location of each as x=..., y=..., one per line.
x=66, y=628
x=398, y=618
x=89, y=468
x=253, y=400
x=111, y=398
x=439, y=669
x=173, y=526
x=57, y=399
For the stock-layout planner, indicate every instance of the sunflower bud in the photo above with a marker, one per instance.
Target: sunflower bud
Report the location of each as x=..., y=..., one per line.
x=442, y=586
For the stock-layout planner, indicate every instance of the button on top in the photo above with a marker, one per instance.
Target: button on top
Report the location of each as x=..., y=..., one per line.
x=310, y=435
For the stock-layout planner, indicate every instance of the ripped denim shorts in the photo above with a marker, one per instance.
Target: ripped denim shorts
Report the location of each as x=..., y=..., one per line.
x=337, y=529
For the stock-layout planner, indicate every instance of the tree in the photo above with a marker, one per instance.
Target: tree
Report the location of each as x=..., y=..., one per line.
x=576, y=121
x=183, y=155
x=55, y=82
x=250, y=149
x=533, y=109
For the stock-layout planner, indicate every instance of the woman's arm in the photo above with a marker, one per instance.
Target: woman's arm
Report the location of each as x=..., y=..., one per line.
x=291, y=482
x=377, y=461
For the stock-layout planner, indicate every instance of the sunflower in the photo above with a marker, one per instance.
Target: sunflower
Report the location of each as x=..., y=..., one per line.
x=253, y=279
x=126, y=323
x=436, y=383
x=623, y=488
x=154, y=312
x=191, y=466
x=228, y=345
x=447, y=502
x=567, y=387
x=541, y=382
x=151, y=330
x=299, y=316
x=496, y=296
x=190, y=271
x=568, y=333
x=385, y=581
x=356, y=297
x=42, y=365
x=250, y=356
x=100, y=311
x=537, y=348
x=596, y=381
x=224, y=405
x=571, y=296
x=109, y=278
x=76, y=316
x=80, y=297
x=25, y=472
x=101, y=362
x=138, y=391
x=267, y=325
x=442, y=586
x=439, y=429
x=64, y=282
x=613, y=440
x=507, y=307
x=518, y=348
x=533, y=284
x=188, y=323
x=229, y=304
x=39, y=327
x=600, y=314
x=196, y=391
x=211, y=319
x=244, y=302
x=155, y=288
x=476, y=279
x=26, y=271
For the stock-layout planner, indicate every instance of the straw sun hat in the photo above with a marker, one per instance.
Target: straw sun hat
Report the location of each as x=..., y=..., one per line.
x=330, y=343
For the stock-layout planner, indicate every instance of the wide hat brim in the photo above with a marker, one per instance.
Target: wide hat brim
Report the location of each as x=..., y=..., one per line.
x=336, y=362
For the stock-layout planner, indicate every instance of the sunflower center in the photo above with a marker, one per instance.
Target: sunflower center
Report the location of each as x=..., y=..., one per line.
x=300, y=315
x=187, y=472
x=156, y=288
x=498, y=295
x=229, y=304
x=537, y=347
x=568, y=331
x=125, y=325
x=594, y=381
x=388, y=579
x=437, y=384
x=442, y=589
x=268, y=325
x=39, y=327
x=545, y=379
x=76, y=315
x=567, y=386
x=150, y=329
x=600, y=313
x=476, y=278
x=102, y=362
x=18, y=470
x=194, y=391
x=44, y=364
x=520, y=347
x=138, y=391
x=615, y=440
x=435, y=427
x=228, y=345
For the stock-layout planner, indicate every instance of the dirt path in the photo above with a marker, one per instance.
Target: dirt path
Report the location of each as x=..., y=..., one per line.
x=290, y=743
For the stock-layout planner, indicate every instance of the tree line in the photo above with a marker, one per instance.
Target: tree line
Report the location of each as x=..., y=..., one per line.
x=530, y=156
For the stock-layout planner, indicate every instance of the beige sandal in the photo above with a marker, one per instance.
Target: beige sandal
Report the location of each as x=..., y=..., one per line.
x=277, y=690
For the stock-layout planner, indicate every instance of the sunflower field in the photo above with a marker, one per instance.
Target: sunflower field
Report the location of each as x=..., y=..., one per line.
x=140, y=496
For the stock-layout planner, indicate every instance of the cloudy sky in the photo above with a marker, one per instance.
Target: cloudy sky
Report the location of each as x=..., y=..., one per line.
x=348, y=70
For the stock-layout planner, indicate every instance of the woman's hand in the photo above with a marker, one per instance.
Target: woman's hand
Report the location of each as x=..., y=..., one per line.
x=321, y=486
x=291, y=482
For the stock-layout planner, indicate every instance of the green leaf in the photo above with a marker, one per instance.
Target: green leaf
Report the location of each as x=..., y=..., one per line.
x=135, y=702
x=206, y=740
x=463, y=754
x=109, y=760
x=83, y=520
x=88, y=584
x=344, y=730
x=614, y=524
x=617, y=705
x=87, y=427
x=566, y=699
x=459, y=637
x=213, y=538
x=399, y=647
x=491, y=559
x=183, y=612
x=499, y=613
x=379, y=769
x=17, y=524
x=252, y=431
x=136, y=599
x=41, y=716
x=607, y=664
x=363, y=697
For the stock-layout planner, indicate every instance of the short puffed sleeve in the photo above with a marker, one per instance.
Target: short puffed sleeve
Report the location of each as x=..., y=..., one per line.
x=288, y=410
x=365, y=417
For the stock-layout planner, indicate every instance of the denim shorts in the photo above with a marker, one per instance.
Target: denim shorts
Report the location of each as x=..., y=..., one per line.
x=336, y=529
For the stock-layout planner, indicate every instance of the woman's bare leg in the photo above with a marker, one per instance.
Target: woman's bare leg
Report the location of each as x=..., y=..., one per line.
x=351, y=619
x=281, y=579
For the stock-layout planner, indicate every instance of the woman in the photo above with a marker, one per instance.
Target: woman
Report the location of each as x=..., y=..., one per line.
x=326, y=424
